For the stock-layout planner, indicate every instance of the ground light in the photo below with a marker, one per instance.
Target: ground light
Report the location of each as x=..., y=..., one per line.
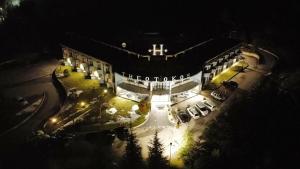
x=53, y=120
x=175, y=145
x=82, y=104
x=172, y=135
x=105, y=91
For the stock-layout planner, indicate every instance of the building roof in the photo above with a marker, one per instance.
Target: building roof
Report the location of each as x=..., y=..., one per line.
x=188, y=60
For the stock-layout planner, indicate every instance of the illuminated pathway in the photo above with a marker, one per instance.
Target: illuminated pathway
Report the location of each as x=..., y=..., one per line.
x=158, y=117
x=167, y=132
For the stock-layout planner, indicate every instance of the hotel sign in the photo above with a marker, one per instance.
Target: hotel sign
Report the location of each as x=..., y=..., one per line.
x=156, y=78
x=157, y=51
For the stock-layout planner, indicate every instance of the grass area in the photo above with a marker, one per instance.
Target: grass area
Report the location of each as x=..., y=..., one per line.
x=139, y=121
x=228, y=73
x=92, y=89
x=187, y=145
x=125, y=105
x=122, y=105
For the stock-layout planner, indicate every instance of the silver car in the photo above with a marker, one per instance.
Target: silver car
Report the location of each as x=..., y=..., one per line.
x=203, y=109
x=217, y=96
x=194, y=112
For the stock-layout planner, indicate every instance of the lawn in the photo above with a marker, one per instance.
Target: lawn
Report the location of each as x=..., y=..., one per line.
x=228, y=73
x=92, y=89
x=125, y=105
x=122, y=105
x=77, y=79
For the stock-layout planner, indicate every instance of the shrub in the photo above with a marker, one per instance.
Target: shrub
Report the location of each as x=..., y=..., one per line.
x=66, y=73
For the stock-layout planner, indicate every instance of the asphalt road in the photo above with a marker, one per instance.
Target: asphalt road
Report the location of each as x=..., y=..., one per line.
x=158, y=117
x=26, y=81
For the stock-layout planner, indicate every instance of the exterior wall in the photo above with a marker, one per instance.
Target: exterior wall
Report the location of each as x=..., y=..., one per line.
x=219, y=63
x=103, y=71
x=90, y=66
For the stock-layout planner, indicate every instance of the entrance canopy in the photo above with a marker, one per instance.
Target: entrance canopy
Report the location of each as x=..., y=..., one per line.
x=160, y=98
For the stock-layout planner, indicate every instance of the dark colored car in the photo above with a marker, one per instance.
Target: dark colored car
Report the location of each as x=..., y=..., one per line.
x=230, y=84
x=183, y=117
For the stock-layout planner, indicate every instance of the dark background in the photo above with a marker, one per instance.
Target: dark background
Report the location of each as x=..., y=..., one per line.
x=41, y=25
x=265, y=126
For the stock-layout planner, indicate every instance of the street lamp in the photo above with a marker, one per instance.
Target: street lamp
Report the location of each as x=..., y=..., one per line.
x=170, y=153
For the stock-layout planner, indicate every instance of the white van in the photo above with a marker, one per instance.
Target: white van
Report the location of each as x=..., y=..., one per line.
x=210, y=105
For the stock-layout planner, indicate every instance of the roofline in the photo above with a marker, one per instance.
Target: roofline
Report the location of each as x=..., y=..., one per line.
x=223, y=53
x=95, y=57
x=192, y=47
x=115, y=47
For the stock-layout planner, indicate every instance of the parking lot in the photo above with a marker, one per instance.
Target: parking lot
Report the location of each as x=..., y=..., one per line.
x=241, y=81
x=190, y=105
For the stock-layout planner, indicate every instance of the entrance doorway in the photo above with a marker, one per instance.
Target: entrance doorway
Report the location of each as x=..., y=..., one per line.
x=160, y=102
x=161, y=85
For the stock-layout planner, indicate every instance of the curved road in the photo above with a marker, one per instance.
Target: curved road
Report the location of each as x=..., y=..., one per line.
x=157, y=117
x=26, y=81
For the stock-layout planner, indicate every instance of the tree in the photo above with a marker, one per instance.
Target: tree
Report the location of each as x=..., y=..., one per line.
x=156, y=160
x=132, y=158
x=145, y=105
x=66, y=73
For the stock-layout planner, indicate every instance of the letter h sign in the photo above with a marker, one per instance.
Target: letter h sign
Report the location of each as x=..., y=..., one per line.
x=158, y=51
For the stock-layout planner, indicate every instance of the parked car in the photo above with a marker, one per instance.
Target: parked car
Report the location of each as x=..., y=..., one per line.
x=183, y=117
x=230, y=84
x=21, y=101
x=203, y=109
x=194, y=112
x=210, y=105
x=217, y=96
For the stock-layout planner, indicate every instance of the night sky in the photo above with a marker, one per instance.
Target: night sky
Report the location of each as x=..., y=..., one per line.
x=38, y=27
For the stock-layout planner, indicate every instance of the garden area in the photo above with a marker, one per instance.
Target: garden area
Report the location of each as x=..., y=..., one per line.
x=92, y=106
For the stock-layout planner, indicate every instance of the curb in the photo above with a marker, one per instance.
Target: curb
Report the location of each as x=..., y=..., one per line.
x=267, y=51
x=271, y=53
x=60, y=87
x=62, y=94
x=44, y=98
x=147, y=118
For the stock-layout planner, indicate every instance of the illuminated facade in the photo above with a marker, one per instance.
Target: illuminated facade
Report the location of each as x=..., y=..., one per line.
x=159, y=73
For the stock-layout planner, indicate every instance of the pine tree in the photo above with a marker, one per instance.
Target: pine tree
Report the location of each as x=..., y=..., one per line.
x=156, y=160
x=132, y=158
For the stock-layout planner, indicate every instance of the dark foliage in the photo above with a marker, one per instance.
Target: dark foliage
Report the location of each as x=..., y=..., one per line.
x=258, y=132
x=132, y=159
x=156, y=159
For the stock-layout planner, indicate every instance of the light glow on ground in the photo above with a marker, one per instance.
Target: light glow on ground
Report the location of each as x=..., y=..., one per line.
x=227, y=73
x=172, y=135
